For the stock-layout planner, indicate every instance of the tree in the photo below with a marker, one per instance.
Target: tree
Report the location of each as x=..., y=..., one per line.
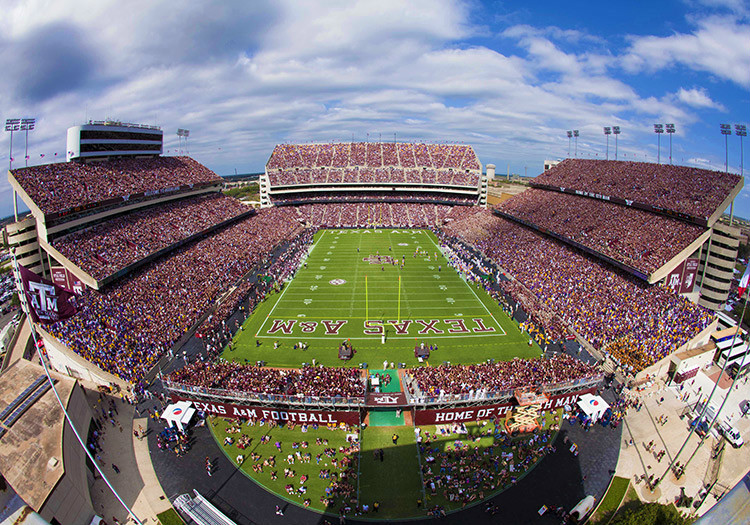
x=636, y=513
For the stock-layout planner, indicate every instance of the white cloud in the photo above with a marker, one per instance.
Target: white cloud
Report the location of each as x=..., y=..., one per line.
x=718, y=46
x=698, y=98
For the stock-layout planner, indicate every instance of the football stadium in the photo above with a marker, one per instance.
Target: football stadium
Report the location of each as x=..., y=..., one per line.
x=373, y=342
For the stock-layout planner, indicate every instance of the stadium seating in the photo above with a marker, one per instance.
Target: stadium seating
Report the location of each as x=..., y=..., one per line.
x=690, y=191
x=639, y=239
x=106, y=248
x=64, y=186
x=602, y=304
x=126, y=328
x=374, y=162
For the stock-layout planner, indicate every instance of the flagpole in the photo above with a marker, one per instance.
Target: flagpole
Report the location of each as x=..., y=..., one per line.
x=744, y=282
x=21, y=290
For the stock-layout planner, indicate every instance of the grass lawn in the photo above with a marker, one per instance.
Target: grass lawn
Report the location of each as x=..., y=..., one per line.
x=170, y=517
x=333, y=439
x=612, y=500
x=343, y=293
x=394, y=482
x=480, y=436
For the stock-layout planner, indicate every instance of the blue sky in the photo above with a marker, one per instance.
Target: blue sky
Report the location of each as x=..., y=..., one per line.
x=507, y=77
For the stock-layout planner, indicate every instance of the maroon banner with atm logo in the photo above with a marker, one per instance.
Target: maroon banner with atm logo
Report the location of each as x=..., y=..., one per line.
x=280, y=415
x=476, y=413
x=63, y=277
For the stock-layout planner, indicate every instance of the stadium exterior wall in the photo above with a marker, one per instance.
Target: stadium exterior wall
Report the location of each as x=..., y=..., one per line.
x=69, y=363
x=661, y=367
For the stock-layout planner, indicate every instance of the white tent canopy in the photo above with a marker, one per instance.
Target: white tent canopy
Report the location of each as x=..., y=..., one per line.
x=593, y=406
x=178, y=414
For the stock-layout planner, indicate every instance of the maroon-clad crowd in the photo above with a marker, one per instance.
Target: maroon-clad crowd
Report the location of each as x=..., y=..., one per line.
x=640, y=239
x=695, y=192
x=126, y=328
x=612, y=310
x=108, y=247
x=493, y=378
x=67, y=185
x=308, y=381
x=373, y=162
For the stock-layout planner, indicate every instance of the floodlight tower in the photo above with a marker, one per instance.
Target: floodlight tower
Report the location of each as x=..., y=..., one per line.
x=741, y=131
x=12, y=124
x=570, y=136
x=658, y=129
x=670, y=132
x=615, y=132
x=575, y=134
x=726, y=130
x=607, y=132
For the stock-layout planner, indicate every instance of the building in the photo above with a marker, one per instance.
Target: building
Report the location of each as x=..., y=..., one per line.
x=40, y=457
x=100, y=140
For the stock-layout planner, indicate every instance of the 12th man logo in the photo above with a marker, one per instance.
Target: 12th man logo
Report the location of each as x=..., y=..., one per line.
x=48, y=303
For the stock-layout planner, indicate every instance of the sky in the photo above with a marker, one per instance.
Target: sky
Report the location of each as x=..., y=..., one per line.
x=510, y=78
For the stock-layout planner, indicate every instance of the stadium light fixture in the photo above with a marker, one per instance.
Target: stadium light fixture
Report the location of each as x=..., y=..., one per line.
x=670, y=131
x=607, y=132
x=658, y=129
x=12, y=124
x=570, y=136
x=27, y=124
x=726, y=130
x=615, y=132
x=180, y=134
x=575, y=134
x=741, y=131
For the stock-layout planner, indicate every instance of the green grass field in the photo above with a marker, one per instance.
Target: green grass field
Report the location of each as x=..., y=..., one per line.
x=344, y=293
x=395, y=482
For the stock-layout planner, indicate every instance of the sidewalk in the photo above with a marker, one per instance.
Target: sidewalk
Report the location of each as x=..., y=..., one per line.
x=136, y=481
x=643, y=427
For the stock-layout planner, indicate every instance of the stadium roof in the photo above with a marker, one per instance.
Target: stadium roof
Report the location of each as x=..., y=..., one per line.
x=31, y=449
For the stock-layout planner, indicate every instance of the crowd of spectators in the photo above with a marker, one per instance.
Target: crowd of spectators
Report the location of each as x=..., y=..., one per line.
x=214, y=330
x=640, y=239
x=488, y=380
x=108, y=247
x=374, y=155
x=66, y=185
x=318, y=381
x=362, y=196
x=363, y=214
x=368, y=175
x=683, y=189
x=124, y=329
x=599, y=302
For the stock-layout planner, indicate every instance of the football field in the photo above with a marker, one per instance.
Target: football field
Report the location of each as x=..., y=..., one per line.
x=384, y=291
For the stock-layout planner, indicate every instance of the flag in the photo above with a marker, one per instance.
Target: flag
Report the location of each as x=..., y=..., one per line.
x=48, y=302
x=743, y=282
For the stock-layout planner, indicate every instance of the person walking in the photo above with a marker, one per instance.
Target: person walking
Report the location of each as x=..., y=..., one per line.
x=279, y=511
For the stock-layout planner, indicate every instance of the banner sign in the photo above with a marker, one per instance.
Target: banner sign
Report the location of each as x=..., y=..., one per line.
x=476, y=413
x=393, y=399
x=48, y=302
x=65, y=278
x=280, y=415
x=688, y=275
x=682, y=278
